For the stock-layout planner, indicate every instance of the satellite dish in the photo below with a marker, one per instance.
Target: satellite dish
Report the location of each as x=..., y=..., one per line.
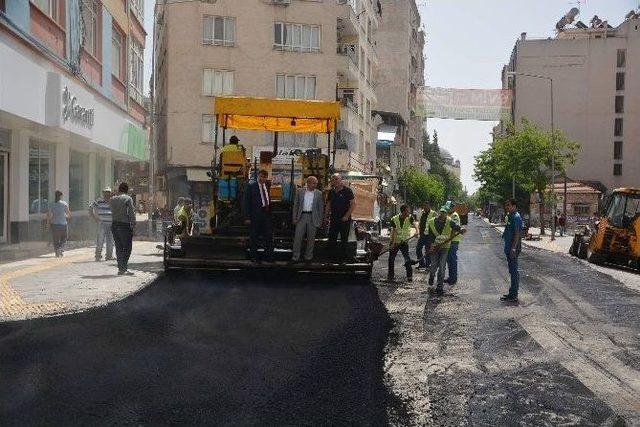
x=567, y=19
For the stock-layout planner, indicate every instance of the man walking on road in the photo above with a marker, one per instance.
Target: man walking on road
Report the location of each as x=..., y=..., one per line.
x=512, y=236
x=124, y=222
x=401, y=226
x=441, y=229
x=427, y=214
x=257, y=211
x=340, y=206
x=308, y=209
x=452, y=257
x=100, y=211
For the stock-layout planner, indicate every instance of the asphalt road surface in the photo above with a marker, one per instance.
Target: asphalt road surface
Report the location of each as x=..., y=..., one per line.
x=237, y=350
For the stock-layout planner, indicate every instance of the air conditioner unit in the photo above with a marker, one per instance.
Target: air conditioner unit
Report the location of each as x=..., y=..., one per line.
x=281, y=2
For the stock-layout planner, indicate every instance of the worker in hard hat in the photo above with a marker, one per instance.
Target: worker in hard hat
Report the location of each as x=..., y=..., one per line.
x=441, y=230
x=452, y=256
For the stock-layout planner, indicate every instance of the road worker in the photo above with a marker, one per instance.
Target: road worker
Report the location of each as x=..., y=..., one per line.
x=427, y=214
x=233, y=145
x=401, y=226
x=452, y=257
x=441, y=231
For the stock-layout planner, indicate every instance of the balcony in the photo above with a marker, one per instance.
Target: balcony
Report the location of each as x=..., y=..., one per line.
x=348, y=67
x=348, y=23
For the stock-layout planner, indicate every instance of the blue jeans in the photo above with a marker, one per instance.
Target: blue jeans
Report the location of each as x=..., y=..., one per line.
x=425, y=261
x=512, y=262
x=452, y=262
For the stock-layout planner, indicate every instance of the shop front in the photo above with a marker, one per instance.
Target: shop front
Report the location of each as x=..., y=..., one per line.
x=56, y=133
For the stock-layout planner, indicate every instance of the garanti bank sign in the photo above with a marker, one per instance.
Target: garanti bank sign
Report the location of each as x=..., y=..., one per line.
x=74, y=112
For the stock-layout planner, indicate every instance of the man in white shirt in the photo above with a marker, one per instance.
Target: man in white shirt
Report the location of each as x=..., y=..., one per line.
x=308, y=208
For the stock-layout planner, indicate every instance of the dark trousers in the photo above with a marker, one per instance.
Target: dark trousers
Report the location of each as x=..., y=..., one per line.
x=404, y=249
x=452, y=262
x=123, y=240
x=425, y=261
x=341, y=228
x=261, y=227
x=512, y=262
x=59, y=236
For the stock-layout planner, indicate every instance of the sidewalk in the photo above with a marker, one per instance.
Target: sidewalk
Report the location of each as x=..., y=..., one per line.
x=50, y=286
x=561, y=243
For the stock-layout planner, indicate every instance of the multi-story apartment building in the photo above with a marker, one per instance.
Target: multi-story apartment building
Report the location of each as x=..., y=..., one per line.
x=596, y=95
x=71, y=74
x=400, y=46
x=298, y=49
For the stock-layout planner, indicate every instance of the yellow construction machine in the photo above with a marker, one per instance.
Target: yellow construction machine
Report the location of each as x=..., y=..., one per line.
x=615, y=236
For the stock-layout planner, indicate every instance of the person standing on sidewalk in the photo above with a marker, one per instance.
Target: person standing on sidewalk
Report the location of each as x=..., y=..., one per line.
x=427, y=214
x=452, y=256
x=562, y=222
x=401, y=226
x=58, y=217
x=100, y=211
x=512, y=236
x=124, y=222
x=308, y=209
x=441, y=229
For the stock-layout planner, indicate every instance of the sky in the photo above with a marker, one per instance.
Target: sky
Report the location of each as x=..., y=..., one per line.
x=468, y=42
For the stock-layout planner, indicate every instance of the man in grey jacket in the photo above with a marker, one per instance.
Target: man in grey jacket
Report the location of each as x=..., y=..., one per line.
x=308, y=210
x=122, y=225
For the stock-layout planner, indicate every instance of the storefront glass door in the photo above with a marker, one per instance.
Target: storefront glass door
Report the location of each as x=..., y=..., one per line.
x=4, y=196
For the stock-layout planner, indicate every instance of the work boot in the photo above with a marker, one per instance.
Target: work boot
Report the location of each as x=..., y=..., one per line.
x=439, y=292
x=409, y=279
x=430, y=281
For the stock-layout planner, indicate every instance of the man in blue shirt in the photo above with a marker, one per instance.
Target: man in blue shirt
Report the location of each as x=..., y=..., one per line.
x=512, y=236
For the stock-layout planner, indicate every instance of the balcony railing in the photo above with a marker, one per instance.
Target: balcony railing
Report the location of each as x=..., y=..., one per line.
x=349, y=50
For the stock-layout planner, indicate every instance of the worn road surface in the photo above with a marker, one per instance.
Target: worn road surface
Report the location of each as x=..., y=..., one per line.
x=237, y=350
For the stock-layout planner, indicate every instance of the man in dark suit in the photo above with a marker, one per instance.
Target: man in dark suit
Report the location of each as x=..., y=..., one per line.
x=257, y=212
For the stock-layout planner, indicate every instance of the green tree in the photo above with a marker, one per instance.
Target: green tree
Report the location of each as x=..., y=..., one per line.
x=524, y=153
x=431, y=151
x=420, y=187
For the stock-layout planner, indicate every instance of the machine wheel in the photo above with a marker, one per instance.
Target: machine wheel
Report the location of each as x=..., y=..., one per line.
x=582, y=250
x=594, y=257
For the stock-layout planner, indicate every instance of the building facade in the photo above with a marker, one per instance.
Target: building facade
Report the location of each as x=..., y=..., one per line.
x=400, y=46
x=298, y=49
x=71, y=75
x=596, y=95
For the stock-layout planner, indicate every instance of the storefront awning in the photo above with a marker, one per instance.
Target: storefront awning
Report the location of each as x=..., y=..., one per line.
x=281, y=115
x=197, y=175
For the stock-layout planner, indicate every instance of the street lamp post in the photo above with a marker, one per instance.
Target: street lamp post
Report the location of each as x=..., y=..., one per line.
x=553, y=148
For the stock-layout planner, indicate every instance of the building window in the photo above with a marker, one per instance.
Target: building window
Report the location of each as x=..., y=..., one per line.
x=298, y=37
x=617, y=169
x=78, y=180
x=217, y=82
x=136, y=71
x=582, y=209
x=101, y=169
x=138, y=9
x=90, y=26
x=369, y=73
x=619, y=104
x=295, y=86
x=619, y=81
x=41, y=173
x=117, y=53
x=51, y=8
x=617, y=127
x=219, y=30
x=208, y=124
x=617, y=150
x=622, y=58
x=368, y=111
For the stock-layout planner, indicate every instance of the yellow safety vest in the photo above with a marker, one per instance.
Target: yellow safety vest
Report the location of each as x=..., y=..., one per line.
x=402, y=233
x=441, y=237
x=456, y=219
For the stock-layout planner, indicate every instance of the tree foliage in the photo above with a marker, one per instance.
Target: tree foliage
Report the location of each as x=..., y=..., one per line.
x=421, y=187
x=431, y=151
x=524, y=153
